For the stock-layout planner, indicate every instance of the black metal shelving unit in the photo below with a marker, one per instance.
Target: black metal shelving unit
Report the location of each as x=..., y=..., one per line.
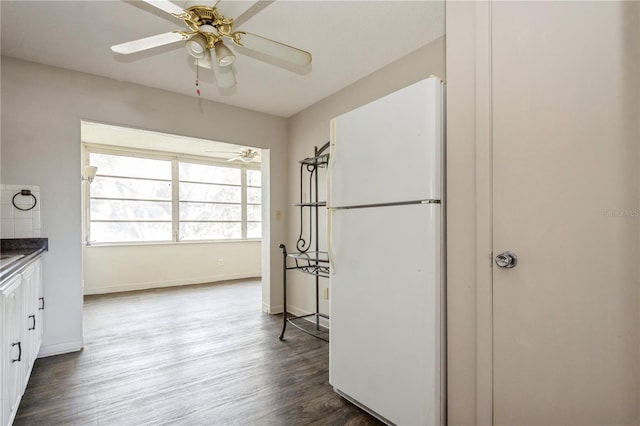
x=313, y=262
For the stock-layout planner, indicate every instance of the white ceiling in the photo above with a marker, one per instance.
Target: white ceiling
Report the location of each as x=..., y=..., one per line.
x=348, y=40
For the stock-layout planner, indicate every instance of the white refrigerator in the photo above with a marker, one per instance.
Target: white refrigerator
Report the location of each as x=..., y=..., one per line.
x=385, y=224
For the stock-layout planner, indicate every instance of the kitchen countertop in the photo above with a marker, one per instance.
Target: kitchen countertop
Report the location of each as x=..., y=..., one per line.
x=18, y=252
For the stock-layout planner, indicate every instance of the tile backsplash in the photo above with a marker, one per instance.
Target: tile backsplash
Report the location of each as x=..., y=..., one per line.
x=16, y=223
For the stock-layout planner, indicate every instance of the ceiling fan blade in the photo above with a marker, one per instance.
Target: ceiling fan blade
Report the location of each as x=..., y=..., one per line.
x=147, y=43
x=272, y=48
x=166, y=6
x=250, y=12
x=235, y=8
x=234, y=158
x=223, y=152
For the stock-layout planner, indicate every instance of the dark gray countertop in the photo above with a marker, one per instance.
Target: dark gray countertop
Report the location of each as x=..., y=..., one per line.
x=26, y=249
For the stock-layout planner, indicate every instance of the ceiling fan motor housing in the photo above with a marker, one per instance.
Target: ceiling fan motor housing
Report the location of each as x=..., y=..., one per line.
x=202, y=15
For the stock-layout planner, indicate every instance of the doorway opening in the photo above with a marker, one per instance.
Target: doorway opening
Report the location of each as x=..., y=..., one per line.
x=164, y=210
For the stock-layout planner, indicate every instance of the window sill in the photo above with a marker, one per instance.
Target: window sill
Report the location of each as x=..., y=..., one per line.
x=170, y=243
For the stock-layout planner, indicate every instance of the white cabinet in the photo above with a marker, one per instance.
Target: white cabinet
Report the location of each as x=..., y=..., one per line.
x=31, y=327
x=39, y=307
x=12, y=348
x=21, y=312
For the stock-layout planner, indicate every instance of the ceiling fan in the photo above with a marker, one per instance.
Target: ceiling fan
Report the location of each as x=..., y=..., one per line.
x=246, y=155
x=207, y=29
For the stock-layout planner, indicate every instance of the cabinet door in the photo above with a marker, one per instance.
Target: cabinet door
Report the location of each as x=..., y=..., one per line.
x=38, y=285
x=13, y=349
x=29, y=317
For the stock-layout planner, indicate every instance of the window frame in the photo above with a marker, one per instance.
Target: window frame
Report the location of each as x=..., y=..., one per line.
x=246, y=204
x=175, y=159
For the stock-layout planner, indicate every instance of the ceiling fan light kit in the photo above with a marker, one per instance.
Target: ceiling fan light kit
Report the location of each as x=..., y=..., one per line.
x=224, y=75
x=223, y=54
x=197, y=46
x=204, y=40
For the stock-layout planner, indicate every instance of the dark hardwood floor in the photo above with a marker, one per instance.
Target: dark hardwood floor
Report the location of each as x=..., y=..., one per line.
x=195, y=355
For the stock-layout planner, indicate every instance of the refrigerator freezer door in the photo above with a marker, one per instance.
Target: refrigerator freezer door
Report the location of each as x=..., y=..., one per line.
x=386, y=327
x=389, y=150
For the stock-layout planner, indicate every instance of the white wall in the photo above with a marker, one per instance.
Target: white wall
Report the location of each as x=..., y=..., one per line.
x=42, y=108
x=310, y=128
x=461, y=213
x=111, y=269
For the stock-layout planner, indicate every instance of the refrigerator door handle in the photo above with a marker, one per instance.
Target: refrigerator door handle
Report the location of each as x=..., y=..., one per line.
x=332, y=265
x=332, y=159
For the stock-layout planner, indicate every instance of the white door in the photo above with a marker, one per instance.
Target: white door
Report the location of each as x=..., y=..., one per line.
x=389, y=150
x=565, y=201
x=385, y=310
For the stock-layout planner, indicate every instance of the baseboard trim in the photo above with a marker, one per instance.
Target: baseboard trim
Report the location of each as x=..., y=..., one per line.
x=60, y=348
x=272, y=310
x=172, y=283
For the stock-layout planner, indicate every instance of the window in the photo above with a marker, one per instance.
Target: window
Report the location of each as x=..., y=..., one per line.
x=210, y=202
x=254, y=203
x=153, y=198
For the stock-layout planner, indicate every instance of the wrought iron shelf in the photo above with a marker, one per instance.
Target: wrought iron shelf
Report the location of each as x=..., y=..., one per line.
x=303, y=324
x=319, y=160
x=311, y=262
x=311, y=256
x=308, y=259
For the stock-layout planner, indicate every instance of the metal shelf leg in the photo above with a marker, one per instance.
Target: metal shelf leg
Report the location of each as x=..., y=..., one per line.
x=284, y=290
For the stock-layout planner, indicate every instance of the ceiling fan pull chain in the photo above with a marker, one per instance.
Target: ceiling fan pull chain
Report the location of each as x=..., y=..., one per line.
x=197, y=75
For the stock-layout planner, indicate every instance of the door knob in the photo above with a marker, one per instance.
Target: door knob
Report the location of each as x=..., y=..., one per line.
x=507, y=259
